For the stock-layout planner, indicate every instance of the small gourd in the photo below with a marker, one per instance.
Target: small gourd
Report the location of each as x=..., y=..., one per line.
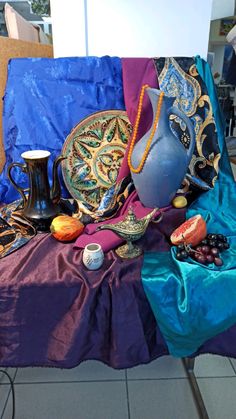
x=65, y=228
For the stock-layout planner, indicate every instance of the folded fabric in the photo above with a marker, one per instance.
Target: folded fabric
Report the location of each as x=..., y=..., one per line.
x=15, y=230
x=193, y=302
x=110, y=204
x=108, y=239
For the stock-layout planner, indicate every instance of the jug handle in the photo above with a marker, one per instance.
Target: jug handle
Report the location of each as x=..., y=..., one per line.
x=176, y=111
x=22, y=191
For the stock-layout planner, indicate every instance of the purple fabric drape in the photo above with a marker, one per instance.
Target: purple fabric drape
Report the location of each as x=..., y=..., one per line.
x=137, y=72
x=54, y=312
x=108, y=239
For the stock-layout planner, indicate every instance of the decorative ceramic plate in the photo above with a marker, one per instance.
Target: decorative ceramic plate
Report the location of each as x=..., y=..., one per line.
x=95, y=149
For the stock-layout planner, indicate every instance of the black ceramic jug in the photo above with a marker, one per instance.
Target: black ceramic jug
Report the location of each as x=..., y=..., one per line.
x=42, y=204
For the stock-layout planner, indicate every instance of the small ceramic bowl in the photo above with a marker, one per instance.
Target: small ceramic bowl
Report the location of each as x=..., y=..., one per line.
x=93, y=256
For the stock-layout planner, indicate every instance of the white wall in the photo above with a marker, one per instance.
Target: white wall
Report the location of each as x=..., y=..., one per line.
x=68, y=28
x=131, y=27
x=148, y=28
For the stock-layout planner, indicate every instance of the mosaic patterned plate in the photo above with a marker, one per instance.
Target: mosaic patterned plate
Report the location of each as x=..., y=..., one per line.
x=95, y=149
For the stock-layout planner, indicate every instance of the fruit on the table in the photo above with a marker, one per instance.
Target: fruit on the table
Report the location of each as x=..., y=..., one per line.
x=220, y=246
x=179, y=256
x=209, y=258
x=212, y=243
x=198, y=248
x=65, y=228
x=218, y=261
x=214, y=251
x=181, y=247
x=179, y=202
x=192, y=231
x=205, y=249
x=204, y=253
x=201, y=259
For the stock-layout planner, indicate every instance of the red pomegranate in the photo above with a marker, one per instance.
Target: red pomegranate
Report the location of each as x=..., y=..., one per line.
x=192, y=231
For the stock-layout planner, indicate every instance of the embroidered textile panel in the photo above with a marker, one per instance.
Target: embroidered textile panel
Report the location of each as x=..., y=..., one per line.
x=178, y=77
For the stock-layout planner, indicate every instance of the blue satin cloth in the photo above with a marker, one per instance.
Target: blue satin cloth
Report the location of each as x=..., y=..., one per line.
x=193, y=302
x=45, y=98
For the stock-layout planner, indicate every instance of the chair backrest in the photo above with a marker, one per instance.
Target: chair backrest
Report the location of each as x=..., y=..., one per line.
x=13, y=48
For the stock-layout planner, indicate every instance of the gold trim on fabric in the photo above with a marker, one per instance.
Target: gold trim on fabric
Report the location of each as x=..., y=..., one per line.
x=198, y=100
x=191, y=80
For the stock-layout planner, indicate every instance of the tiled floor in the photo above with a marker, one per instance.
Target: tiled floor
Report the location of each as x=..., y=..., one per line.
x=158, y=390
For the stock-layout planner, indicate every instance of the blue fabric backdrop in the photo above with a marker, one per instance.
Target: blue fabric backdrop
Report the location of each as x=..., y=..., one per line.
x=56, y=95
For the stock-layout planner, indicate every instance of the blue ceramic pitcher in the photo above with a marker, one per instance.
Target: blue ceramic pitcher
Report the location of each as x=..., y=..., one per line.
x=167, y=161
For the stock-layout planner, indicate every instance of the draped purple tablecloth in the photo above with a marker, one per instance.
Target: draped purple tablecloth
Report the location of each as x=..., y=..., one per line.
x=54, y=312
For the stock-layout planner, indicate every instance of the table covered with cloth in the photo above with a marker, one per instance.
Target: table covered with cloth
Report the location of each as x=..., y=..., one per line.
x=54, y=312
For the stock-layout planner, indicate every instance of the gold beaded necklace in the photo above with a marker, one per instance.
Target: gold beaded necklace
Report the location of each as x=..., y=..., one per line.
x=136, y=126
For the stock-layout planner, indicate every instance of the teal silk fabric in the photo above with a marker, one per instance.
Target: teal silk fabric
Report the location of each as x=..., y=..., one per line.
x=192, y=302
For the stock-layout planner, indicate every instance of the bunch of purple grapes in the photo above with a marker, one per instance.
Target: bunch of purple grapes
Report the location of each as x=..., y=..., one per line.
x=208, y=251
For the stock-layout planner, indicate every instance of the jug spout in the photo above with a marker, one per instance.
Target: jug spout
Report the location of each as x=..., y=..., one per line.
x=56, y=188
x=167, y=103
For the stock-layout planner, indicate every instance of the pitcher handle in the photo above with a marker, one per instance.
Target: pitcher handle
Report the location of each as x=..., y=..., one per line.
x=176, y=111
x=22, y=191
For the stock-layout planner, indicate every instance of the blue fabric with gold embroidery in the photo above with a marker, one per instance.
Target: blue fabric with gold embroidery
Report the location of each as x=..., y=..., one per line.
x=192, y=302
x=179, y=78
x=45, y=98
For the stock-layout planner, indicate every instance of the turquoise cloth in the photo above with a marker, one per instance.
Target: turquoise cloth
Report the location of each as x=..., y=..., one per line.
x=192, y=302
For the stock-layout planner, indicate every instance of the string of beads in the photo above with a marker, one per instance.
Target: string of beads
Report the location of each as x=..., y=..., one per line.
x=136, y=126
